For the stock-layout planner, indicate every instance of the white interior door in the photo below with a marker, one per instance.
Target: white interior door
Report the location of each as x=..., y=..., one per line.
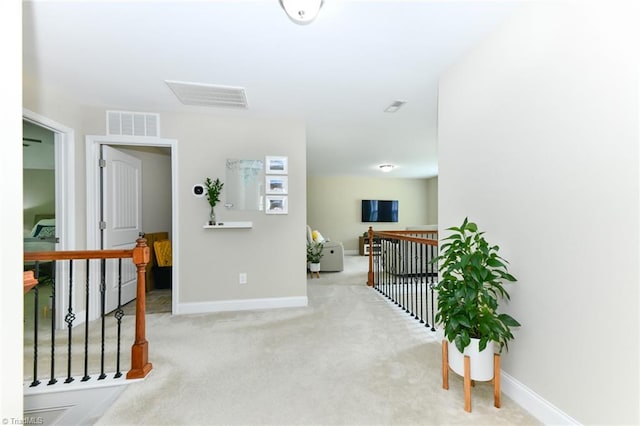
x=121, y=219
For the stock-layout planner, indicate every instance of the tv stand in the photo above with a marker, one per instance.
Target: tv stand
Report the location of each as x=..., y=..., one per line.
x=364, y=246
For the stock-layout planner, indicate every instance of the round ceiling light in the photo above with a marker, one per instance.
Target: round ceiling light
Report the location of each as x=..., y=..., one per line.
x=302, y=11
x=386, y=167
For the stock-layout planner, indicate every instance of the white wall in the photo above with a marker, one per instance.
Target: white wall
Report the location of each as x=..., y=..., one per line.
x=211, y=260
x=334, y=204
x=54, y=105
x=273, y=252
x=432, y=201
x=37, y=155
x=39, y=195
x=11, y=212
x=538, y=143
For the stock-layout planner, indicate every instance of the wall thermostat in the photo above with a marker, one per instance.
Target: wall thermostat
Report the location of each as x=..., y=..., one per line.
x=198, y=190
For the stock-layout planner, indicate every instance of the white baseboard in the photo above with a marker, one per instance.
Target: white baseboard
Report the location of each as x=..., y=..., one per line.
x=537, y=406
x=241, y=305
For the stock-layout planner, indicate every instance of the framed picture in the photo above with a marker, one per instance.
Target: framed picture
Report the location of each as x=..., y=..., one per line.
x=276, y=185
x=276, y=204
x=276, y=165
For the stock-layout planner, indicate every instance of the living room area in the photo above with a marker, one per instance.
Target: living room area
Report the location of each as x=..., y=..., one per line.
x=334, y=205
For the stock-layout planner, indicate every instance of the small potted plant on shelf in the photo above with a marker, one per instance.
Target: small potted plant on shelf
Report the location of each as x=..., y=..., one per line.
x=314, y=254
x=470, y=287
x=214, y=188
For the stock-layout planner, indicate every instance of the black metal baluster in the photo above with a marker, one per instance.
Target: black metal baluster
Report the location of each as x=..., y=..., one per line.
x=429, y=285
x=53, y=379
x=384, y=254
x=86, y=325
x=399, y=270
x=407, y=259
x=381, y=266
x=383, y=251
x=374, y=267
x=396, y=268
x=36, y=292
x=421, y=278
x=433, y=279
x=119, y=314
x=69, y=318
x=414, y=284
x=410, y=278
x=102, y=314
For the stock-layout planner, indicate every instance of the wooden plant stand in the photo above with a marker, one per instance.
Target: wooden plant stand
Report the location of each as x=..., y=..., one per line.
x=468, y=383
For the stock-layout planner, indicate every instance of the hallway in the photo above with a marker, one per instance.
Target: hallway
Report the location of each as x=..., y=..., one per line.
x=350, y=357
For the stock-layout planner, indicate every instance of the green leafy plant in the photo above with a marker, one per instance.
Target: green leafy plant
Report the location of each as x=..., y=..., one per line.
x=214, y=188
x=314, y=252
x=471, y=284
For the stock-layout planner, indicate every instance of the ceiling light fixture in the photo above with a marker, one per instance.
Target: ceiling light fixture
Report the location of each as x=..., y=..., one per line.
x=395, y=106
x=386, y=167
x=302, y=11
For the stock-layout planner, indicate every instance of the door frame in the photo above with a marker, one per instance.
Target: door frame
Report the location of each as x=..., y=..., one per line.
x=64, y=144
x=92, y=145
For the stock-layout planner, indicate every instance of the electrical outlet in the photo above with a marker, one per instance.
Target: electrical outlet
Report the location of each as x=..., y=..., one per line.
x=242, y=278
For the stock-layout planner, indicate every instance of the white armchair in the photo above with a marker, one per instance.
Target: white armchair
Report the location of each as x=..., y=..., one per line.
x=332, y=255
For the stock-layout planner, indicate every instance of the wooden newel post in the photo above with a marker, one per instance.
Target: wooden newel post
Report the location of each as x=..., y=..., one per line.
x=140, y=365
x=370, y=274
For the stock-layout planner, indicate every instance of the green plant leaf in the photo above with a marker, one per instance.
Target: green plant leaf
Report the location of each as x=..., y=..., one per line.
x=508, y=320
x=470, y=288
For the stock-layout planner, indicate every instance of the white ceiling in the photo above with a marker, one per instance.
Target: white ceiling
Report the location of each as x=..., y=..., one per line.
x=339, y=73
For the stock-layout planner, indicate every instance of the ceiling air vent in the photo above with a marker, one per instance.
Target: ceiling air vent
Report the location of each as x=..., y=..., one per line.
x=128, y=123
x=395, y=106
x=208, y=94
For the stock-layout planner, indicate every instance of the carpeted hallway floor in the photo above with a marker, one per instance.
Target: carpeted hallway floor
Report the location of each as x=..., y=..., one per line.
x=349, y=358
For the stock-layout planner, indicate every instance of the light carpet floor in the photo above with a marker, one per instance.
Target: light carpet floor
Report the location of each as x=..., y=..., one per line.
x=349, y=358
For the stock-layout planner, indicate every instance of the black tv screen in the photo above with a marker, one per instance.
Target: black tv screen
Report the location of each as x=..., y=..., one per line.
x=379, y=210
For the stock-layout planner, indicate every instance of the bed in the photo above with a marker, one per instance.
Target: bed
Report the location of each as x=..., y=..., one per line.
x=42, y=236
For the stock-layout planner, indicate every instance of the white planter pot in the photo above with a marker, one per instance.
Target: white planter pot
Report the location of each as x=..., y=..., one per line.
x=481, y=362
x=314, y=267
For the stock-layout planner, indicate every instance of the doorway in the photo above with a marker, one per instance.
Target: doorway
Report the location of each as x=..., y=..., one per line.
x=57, y=209
x=157, y=188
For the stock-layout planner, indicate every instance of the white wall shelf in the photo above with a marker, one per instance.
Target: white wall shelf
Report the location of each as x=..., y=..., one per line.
x=229, y=225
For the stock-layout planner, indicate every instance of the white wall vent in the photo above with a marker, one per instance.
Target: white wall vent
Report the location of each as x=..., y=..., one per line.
x=128, y=123
x=210, y=95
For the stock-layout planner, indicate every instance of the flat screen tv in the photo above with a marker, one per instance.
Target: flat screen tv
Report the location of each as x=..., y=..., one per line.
x=379, y=210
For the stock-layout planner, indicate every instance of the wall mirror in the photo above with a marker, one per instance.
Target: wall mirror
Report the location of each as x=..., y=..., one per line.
x=244, y=184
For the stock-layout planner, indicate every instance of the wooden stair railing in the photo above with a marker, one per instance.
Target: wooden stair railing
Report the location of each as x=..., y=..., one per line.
x=402, y=235
x=140, y=365
x=401, y=269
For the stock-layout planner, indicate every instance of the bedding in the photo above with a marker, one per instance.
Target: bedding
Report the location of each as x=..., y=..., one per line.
x=42, y=236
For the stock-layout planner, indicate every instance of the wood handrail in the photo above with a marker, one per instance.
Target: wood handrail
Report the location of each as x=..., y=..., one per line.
x=140, y=365
x=78, y=255
x=398, y=235
x=406, y=231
